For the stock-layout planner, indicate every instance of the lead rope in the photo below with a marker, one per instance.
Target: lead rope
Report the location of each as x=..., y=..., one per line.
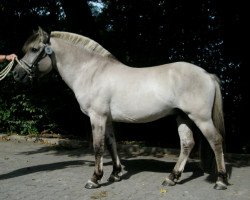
x=7, y=69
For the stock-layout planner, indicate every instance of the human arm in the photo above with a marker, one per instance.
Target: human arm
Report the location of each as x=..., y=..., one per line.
x=2, y=58
x=9, y=57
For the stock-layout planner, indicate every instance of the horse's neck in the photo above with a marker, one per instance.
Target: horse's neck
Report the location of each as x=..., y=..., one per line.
x=74, y=64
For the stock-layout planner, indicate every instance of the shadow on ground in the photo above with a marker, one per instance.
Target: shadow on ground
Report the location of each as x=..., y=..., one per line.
x=136, y=166
x=132, y=167
x=132, y=164
x=41, y=168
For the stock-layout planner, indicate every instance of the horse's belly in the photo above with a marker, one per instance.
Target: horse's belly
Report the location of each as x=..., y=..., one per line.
x=140, y=111
x=143, y=99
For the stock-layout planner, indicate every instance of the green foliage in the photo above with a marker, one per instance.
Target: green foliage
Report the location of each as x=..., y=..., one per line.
x=20, y=109
x=32, y=109
x=19, y=114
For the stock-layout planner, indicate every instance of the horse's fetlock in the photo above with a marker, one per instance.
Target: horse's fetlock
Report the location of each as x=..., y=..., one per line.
x=222, y=175
x=117, y=169
x=97, y=176
x=175, y=175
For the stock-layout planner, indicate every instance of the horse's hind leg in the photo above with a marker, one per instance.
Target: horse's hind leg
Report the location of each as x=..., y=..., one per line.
x=112, y=148
x=187, y=143
x=215, y=140
x=98, y=123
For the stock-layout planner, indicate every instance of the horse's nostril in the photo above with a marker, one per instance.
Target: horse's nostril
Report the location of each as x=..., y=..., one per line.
x=15, y=74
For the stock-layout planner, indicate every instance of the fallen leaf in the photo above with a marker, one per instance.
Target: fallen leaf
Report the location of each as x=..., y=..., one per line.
x=162, y=190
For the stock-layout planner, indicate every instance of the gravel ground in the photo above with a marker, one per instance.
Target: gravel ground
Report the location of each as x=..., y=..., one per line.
x=33, y=171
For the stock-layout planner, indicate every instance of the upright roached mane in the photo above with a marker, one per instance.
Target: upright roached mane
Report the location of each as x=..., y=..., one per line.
x=82, y=42
x=110, y=91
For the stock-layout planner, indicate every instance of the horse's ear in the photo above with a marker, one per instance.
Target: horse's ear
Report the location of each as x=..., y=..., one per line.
x=41, y=31
x=44, y=34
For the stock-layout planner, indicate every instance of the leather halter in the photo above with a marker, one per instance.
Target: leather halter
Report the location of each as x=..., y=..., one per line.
x=46, y=50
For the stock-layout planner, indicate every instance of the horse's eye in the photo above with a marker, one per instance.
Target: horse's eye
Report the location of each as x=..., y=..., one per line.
x=34, y=49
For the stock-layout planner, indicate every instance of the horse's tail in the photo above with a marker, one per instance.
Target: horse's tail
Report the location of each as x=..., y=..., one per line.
x=217, y=115
x=208, y=162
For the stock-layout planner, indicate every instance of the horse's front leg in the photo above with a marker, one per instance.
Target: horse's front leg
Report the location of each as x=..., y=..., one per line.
x=112, y=148
x=98, y=124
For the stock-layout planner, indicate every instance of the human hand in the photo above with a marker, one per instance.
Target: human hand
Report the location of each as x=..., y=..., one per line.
x=11, y=57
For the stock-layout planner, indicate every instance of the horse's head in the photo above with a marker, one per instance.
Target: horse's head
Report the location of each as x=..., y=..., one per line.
x=37, y=60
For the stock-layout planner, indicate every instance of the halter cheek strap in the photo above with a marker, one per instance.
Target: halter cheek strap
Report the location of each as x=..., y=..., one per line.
x=49, y=51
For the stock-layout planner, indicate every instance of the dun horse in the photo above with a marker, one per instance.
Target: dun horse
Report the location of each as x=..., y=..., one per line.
x=108, y=91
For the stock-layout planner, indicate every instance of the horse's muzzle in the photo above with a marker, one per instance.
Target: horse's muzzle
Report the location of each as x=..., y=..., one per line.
x=20, y=75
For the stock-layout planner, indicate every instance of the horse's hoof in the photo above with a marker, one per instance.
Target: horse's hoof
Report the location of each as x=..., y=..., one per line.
x=220, y=186
x=91, y=185
x=168, y=182
x=114, y=178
